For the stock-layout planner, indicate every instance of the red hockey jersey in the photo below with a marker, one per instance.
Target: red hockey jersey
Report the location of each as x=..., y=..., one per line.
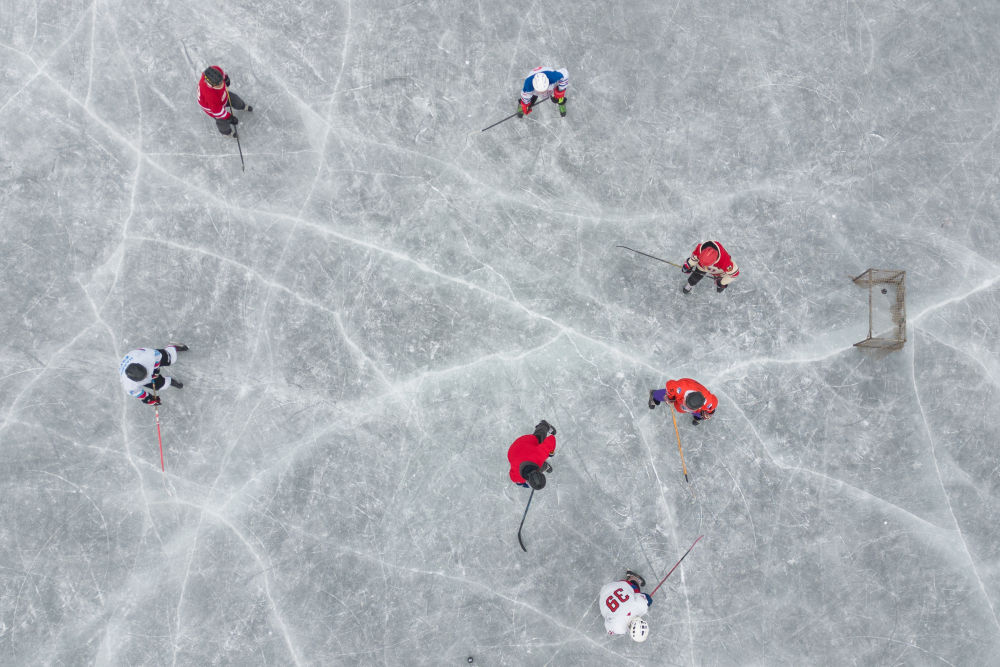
x=527, y=448
x=677, y=391
x=213, y=100
x=722, y=266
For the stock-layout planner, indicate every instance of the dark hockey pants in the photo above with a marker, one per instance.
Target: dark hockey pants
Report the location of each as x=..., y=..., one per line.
x=695, y=277
x=224, y=125
x=158, y=380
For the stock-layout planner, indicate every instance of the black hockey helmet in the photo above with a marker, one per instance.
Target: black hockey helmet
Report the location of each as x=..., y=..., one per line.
x=213, y=75
x=536, y=480
x=135, y=372
x=694, y=400
x=532, y=474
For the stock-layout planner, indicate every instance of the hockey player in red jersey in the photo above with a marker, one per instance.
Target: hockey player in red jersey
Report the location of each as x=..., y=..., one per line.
x=215, y=99
x=687, y=396
x=528, y=456
x=711, y=258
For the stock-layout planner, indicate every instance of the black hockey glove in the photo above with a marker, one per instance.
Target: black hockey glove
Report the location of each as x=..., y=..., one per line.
x=233, y=120
x=686, y=268
x=719, y=286
x=226, y=80
x=152, y=400
x=546, y=467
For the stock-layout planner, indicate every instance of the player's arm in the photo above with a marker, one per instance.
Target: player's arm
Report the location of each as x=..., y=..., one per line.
x=729, y=275
x=692, y=263
x=707, y=410
x=563, y=83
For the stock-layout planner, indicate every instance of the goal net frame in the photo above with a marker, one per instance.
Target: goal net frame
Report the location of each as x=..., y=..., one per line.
x=873, y=279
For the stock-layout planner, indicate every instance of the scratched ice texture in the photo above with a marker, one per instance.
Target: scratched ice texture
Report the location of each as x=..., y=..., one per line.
x=387, y=297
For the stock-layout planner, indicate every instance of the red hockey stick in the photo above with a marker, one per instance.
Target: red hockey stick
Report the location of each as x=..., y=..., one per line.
x=674, y=567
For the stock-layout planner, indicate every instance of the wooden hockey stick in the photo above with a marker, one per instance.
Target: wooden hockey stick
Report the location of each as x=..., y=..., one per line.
x=639, y=252
x=673, y=413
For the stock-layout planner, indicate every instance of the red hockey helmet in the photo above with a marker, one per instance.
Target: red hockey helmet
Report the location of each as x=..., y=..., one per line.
x=709, y=254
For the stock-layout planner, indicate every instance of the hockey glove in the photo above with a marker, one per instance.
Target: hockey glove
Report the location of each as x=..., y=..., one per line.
x=546, y=467
x=559, y=96
x=233, y=120
x=152, y=400
x=523, y=110
x=720, y=287
x=686, y=268
x=227, y=80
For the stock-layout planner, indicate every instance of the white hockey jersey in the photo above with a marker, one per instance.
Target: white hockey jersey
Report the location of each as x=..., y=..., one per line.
x=149, y=359
x=619, y=605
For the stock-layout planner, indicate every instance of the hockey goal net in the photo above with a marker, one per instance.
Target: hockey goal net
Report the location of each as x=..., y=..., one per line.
x=886, y=308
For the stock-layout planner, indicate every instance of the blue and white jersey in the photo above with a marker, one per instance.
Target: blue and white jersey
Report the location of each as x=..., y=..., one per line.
x=148, y=359
x=558, y=78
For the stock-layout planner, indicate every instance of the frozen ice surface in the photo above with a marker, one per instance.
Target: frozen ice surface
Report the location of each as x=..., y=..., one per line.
x=388, y=297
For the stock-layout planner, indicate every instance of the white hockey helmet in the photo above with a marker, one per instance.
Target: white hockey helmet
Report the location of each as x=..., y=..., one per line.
x=540, y=82
x=638, y=630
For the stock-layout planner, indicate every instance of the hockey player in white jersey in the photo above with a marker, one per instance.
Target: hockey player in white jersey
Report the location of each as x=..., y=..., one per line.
x=622, y=604
x=140, y=370
x=543, y=83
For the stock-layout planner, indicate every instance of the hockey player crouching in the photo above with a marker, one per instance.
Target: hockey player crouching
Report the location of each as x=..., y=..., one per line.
x=541, y=83
x=688, y=397
x=711, y=258
x=140, y=370
x=622, y=604
x=528, y=456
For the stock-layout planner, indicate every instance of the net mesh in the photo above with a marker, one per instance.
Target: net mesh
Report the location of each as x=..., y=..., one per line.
x=886, y=324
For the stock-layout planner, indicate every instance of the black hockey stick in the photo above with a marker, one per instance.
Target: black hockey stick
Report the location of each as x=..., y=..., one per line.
x=242, y=163
x=530, y=106
x=236, y=133
x=639, y=252
x=674, y=567
x=520, y=541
